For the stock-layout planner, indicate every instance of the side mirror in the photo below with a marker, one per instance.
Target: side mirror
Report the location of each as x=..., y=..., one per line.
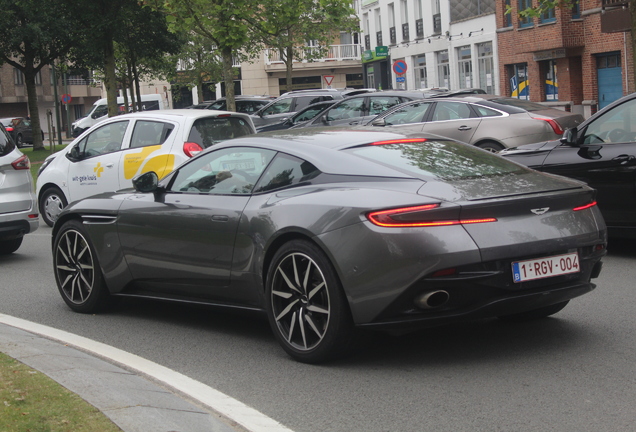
x=379, y=122
x=74, y=155
x=146, y=182
x=570, y=137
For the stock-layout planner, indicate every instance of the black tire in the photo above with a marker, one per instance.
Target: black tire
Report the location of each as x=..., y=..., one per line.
x=51, y=204
x=306, y=306
x=491, y=146
x=77, y=272
x=9, y=246
x=536, y=313
x=18, y=141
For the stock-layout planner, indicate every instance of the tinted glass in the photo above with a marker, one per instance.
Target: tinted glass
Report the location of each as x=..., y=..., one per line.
x=413, y=113
x=106, y=139
x=227, y=171
x=486, y=112
x=6, y=144
x=346, y=109
x=444, y=160
x=149, y=133
x=279, y=107
x=218, y=105
x=451, y=111
x=305, y=101
x=379, y=104
x=308, y=113
x=212, y=130
x=286, y=171
x=615, y=125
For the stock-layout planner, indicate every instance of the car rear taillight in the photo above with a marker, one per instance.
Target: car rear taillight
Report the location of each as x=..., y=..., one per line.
x=555, y=126
x=9, y=129
x=191, y=149
x=587, y=206
x=22, y=163
x=416, y=217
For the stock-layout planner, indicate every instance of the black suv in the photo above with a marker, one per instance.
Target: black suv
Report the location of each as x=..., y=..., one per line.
x=289, y=103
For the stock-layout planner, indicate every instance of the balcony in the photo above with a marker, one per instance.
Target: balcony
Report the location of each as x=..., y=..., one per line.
x=419, y=28
x=313, y=54
x=393, y=35
x=405, y=32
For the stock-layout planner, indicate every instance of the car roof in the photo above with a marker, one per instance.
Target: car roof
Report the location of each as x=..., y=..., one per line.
x=180, y=113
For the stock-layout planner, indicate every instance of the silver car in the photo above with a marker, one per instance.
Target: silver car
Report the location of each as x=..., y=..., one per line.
x=18, y=208
x=487, y=121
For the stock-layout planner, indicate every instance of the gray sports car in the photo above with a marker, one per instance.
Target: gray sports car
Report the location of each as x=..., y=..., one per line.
x=331, y=231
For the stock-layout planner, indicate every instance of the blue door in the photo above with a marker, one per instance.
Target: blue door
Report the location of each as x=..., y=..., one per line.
x=610, y=79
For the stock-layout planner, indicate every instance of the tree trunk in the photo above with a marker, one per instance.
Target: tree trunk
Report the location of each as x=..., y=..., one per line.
x=228, y=78
x=289, y=66
x=32, y=97
x=110, y=78
x=136, y=83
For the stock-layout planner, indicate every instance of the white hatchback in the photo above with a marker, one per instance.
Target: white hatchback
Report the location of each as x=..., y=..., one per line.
x=109, y=155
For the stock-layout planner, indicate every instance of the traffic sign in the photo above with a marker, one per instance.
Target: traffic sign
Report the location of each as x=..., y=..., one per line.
x=328, y=79
x=399, y=67
x=400, y=79
x=66, y=98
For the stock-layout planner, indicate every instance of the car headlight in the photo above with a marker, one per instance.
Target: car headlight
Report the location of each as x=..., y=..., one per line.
x=46, y=163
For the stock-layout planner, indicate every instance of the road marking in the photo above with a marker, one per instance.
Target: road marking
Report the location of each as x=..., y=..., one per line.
x=249, y=418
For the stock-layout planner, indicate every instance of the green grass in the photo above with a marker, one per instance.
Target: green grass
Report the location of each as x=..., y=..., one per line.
x=37, y=157
x=32, y=402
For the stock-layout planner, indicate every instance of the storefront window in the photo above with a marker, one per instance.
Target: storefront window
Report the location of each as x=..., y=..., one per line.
x=465, y=66
x=443, y=69
x=486, y=67
x=551, y=84
x=421, y=80
x=519, y=84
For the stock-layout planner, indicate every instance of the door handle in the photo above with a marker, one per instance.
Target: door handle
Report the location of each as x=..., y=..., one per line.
x=110, y=165
x=464, y=128
x=220, y=218
x=624, y=159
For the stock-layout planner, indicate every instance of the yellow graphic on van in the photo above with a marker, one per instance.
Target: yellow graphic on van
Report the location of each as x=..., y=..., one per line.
x=133, y=161
x=161, y=165
x=99, y=169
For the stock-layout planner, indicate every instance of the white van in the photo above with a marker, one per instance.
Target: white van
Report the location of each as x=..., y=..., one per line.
x=99, y=111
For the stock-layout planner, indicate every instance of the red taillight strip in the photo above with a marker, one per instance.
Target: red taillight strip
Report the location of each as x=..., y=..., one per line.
x=592, y=204
x=399, y=141
x=22, y=163
x=383, y=218
x=556, y=127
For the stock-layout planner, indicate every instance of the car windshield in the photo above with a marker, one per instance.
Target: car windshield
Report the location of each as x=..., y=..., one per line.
x=520, y=103
x=443, y=160
x=212, y=130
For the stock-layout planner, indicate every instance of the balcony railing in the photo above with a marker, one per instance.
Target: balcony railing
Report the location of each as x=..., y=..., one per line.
x=312, y=54
x=378, y=38
x=405, y=32
x=393, y=35
x=81, y=81
x=419, y=28
x=437, y=24
x=367, y=42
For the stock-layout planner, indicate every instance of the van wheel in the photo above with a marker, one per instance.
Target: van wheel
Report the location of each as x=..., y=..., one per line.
x=51, y=204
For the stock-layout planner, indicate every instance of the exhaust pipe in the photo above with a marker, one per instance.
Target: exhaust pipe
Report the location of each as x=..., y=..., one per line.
x=432, y=299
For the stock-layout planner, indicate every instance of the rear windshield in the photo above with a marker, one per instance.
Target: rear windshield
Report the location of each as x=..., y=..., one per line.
x=443, y=160
x=212, y=130
x=6, y=143
x=520, y=103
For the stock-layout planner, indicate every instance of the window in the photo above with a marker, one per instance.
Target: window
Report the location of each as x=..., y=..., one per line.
x=616, y=125
x=305, y=101
x=519, y=84
x=576, y=10
x=149, y=133
x=405, y=20
x=229, y=171
x=18, y=77
x=286, y=171
x=551, y=83
x=443, y=69
x=421, y=79
x=212, y=130
x=279, y=107
x=547, y=16
x=38, y=78
x=507, y=17
x=106, y=139
x=465, y=65
x=451, y=111
x=486, y=67
x=413, y=113
x=487, y=112
x=525, y=21
x=346, y=109
x=379, y=104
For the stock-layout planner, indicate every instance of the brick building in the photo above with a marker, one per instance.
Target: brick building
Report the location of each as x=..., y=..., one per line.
x=562, y=58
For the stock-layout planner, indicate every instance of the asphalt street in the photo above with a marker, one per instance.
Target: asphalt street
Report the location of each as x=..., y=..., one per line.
x=573, y=372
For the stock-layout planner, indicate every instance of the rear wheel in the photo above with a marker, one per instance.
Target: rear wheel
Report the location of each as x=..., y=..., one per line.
x=536, y=313
x=52, y=203
x=77, y=272
x=491, y=146
x=306, y=306
x=9, y=246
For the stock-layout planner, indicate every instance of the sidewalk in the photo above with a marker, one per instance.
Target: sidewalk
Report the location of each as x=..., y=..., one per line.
x=132, y=401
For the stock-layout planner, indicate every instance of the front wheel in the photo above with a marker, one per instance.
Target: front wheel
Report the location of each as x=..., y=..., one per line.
x=77, y=272
x=306, y=306
x=51, y=204
x=536, y=313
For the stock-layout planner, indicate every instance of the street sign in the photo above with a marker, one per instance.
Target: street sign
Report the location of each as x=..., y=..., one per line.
x=382, y=51
x=328, y=79
x=66, y=99
x=399, y=67
x=400, y=79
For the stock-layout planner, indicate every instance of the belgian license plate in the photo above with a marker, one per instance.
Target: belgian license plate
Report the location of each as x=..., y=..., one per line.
x=545, y=267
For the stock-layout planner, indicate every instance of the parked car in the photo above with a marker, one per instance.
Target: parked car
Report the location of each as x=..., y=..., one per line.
x=289, y=103
x=331, y=229
x=601, y=151
x=18, y=206
x=304, y=115
x=244, y=104
x=361, y=108
x=109, y=155
x=202, y=105
x=20, y=129
x=487, y=121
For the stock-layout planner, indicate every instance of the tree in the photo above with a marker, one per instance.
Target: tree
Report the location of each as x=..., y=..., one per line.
x=223, y=22
x=33, y=34
x=287, y=25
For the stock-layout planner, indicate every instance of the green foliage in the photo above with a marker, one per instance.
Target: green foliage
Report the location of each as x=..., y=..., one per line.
x=541, y=7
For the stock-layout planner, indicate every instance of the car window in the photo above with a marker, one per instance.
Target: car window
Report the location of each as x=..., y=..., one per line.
x=285, y=171
x=100, y=111
x=279, y=107
x=308, y=113
x=105, y=139
x=212, y=130
x=149, y=133
x=218, y=105
x=305, y=101
x=451, y=111
x=6, y=143
x=616, y=125
x=379, y=104
x=487, y=112
x=413, y=113
x=346, y=109
x=232, y=171
x=249, y=106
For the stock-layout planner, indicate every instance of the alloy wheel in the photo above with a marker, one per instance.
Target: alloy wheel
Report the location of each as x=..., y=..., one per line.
x=75, y=267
